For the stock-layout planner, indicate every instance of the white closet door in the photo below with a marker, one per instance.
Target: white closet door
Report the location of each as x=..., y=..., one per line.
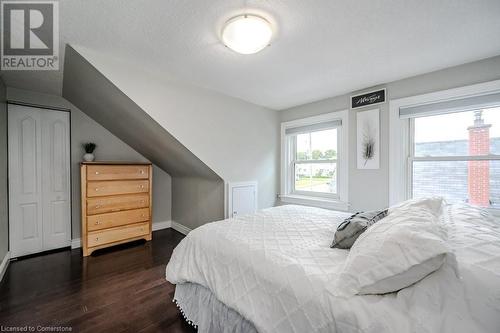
x=56, y=180
x=25, y=181
x=39, y=201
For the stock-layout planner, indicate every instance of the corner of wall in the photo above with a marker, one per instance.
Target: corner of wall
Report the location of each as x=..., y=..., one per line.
x=4, y=217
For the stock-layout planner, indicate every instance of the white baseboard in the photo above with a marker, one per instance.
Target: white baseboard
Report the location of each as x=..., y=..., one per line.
x=76, y=243
x=161, y=225
x=180, y=228
x=4, y=265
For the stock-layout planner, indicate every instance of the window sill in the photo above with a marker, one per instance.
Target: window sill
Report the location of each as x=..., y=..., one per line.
x=315, y=202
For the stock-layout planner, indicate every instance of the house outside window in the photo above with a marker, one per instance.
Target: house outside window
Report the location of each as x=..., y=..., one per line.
x=457, y=156
x=314, y=161
x=447, y=144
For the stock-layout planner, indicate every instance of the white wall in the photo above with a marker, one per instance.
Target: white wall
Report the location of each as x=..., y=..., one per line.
x=236, y=139
x=109, y=148
x=369, y=189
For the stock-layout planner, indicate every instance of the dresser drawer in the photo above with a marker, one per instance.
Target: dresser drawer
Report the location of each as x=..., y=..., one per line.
x=114, y=172
x=116, y=204
x=97, y=238
x=110, y=220
x=116, y=187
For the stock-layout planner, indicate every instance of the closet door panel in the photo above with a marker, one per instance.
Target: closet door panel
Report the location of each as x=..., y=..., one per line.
x=25, y=181
x=56, y=180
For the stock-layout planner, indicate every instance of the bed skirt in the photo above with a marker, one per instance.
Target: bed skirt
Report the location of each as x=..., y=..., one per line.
x=203, y=310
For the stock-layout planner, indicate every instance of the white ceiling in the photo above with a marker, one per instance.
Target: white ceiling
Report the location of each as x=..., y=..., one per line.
x=322, y=48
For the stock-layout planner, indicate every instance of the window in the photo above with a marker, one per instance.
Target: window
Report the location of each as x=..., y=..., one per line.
x=457, y=156
x=313, y=162
x=447, y=143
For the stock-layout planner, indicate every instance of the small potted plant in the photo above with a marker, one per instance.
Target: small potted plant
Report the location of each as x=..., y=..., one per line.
x=89, y=151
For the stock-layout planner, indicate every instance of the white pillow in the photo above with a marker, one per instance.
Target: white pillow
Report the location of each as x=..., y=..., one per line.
x=394, y=253
x=432, y=204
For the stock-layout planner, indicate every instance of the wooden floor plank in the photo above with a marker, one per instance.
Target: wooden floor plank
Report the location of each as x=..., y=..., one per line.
x=121, y=289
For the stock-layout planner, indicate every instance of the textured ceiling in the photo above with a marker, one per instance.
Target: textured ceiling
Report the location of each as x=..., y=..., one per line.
x=322, y=48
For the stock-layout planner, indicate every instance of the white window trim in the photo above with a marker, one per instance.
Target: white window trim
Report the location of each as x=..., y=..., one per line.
x=341, y=200
x=400, y=134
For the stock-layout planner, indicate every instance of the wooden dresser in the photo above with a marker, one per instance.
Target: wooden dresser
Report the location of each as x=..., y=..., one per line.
x=116, y=204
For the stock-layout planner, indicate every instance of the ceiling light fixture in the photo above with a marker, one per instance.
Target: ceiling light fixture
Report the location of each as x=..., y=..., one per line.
x=247, y=34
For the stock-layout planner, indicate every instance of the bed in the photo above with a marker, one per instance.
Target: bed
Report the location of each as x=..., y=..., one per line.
x=273, y=271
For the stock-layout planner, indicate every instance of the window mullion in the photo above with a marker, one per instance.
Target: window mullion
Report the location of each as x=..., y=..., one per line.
x=337, y=168
x=310, y=166
x=291, y=177
x=314, y=161
x=409, y=160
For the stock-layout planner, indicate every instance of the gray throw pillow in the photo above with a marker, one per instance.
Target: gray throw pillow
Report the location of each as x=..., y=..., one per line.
x=349, y=230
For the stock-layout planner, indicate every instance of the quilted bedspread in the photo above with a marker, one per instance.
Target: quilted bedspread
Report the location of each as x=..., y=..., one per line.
x=277, y=270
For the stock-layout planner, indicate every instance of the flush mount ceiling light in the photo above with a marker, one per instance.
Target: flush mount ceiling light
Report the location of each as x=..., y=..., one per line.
x=247, y=34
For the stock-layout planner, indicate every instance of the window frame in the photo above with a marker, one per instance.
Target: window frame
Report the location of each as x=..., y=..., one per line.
x=401, y=143
x=288, y=193
x=294, y=162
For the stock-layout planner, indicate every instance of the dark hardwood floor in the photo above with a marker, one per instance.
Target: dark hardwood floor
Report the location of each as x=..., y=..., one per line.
x=122, y=289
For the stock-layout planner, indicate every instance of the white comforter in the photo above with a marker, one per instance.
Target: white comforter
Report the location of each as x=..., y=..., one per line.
x=277, y=270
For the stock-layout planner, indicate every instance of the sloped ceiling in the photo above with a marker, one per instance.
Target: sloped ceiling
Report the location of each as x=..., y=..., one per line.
x=94, y=94
x=322, y=48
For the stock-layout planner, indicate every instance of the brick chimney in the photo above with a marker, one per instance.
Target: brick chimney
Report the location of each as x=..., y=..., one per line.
x=479, y=171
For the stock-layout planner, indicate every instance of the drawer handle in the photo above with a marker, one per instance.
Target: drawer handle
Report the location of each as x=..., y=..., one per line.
x=142, y=215
x=142, y=172
x=97, y=172
x=97, y=238
x=97, y=206
x=142, y=201
x=142, y=186
x=97, y=189
x=97, y=222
